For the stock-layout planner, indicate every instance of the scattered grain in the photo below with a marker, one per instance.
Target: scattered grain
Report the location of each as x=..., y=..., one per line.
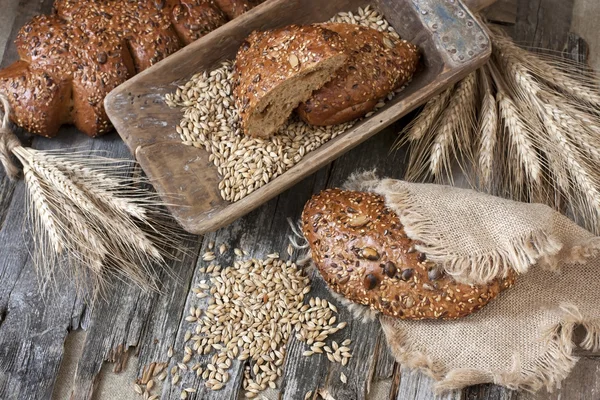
x=138, y=389
x=343, y=378
x=211, y=121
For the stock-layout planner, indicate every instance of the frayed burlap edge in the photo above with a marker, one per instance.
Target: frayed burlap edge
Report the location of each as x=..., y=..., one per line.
x=581, y=253
x=536, y=247
x=519, y=254
x=549, y=370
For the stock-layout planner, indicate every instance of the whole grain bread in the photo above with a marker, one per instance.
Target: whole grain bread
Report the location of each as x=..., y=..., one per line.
x=377, y=65
x=63, y=76
x=278, y=69
x=363, y=253
x=73, y=58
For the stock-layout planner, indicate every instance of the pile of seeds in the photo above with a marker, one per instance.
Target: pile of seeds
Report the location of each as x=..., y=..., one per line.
x=254, y=307
x=210, y=121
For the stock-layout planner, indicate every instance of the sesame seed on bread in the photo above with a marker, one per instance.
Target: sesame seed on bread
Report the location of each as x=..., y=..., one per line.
x=278, y=69
x=377, y=65
x=361, y=250
x=71, y=60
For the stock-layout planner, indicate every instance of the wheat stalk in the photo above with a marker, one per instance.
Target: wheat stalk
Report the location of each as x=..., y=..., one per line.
x=519, y=134
x=488, y=129
x=583, y=129
x=427, y=117
x=578, y=85
x=588, y=183
x=43, y=215
x=100, y=187
x=537, y=131
x=456, y=123
x=93, y=219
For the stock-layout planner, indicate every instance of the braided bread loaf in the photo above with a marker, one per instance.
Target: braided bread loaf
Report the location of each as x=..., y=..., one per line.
x=72, y=59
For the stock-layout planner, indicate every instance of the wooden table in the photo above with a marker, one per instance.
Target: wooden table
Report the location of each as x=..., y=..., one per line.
x=35, y=324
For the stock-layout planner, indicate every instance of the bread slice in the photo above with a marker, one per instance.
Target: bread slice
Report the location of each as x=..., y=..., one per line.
x=362, y=251
x=377, y=65
x=277, y=70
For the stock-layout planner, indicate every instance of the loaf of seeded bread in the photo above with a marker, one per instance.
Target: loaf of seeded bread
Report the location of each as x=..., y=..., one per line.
x=72, y=59
x=363, y=253
x=278, y=69
x=377, y=65
x=235, y=8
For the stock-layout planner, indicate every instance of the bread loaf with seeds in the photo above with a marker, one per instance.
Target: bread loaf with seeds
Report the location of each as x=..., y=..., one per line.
x=361, y=250
x=235, y=8
x=73, y=58
x=377, y=65
x=276, y=70
x=63, y=77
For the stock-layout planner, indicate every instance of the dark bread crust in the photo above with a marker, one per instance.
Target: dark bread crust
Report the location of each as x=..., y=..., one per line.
x=152, y=29
x=193, y=19
x=234, y=8
x=268, y=59
x=377, y=65
x=362, y=252
x=71, y=60
x=64, y=76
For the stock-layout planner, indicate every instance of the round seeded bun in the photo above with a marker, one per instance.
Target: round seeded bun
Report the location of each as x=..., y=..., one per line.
x=361, y=250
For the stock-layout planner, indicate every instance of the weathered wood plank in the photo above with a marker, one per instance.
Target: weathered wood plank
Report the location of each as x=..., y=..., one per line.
x=585, y=24
x=417, y=385
x=150, y=322
x=7, y=19
x=37, y=318
x=25, y=11
x=542, y=23
x=490, y=392
x=133, y=318
x=583, y=382
x=503, y=12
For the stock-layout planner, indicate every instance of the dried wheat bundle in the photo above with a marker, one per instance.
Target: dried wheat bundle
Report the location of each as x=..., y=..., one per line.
x=90, y=219
x=525, y=126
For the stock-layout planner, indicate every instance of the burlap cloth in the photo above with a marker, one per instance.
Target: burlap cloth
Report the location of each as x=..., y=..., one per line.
x=522, y=339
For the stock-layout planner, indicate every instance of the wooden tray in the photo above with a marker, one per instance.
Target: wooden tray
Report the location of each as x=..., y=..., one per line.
x=452, y=42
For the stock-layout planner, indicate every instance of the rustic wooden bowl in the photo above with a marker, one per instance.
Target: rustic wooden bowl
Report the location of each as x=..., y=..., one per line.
x=452, y=42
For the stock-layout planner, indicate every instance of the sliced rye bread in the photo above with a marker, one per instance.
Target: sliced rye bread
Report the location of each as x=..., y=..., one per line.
x=277, y=70
x=377, y=64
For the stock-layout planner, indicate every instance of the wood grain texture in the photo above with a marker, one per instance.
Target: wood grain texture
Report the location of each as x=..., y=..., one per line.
x=147, y=124
x=34, y=324
x=503, y=12
x=585, y=25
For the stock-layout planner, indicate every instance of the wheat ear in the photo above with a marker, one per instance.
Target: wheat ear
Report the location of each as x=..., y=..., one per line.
x=519, y=133
x=456, y=123
x=578, y=170
x=427, y=117
x=581, y=129
x=488, y=128
x=43, y=216
x=570, y=83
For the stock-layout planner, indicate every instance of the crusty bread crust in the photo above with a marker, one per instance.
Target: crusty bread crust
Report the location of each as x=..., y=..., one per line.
x=72, y=59
x=278, y=69
x=363, y=253
x=234, y=8
x=377, y=65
